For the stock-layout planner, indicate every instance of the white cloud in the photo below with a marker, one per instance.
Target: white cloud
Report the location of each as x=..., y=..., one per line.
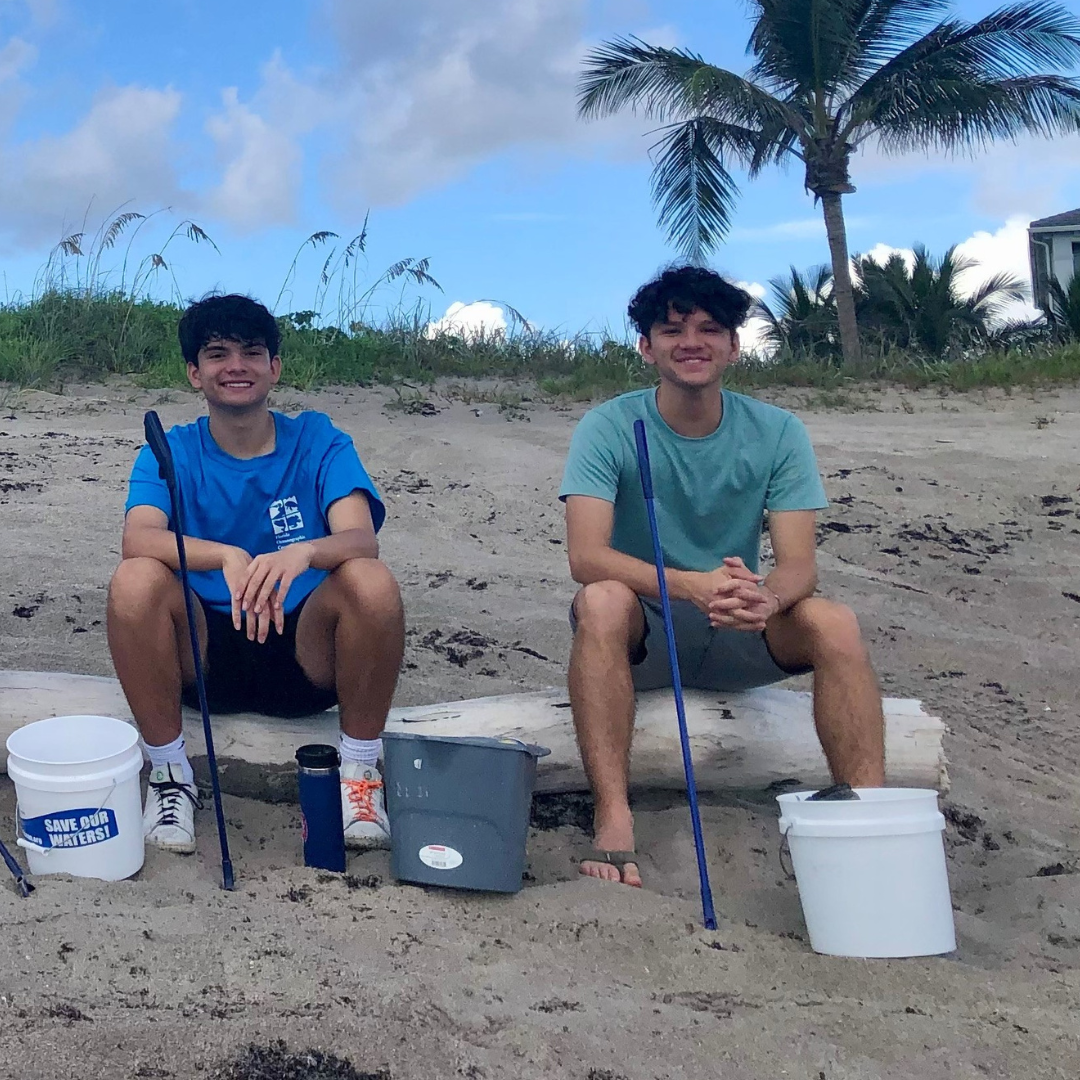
x=751, y=335
x=43, y=13
x=425, y=90
x=1031, y=175
x=119, y=153
x=15, y=57
x=1001, y=252
x=261, y=174
x=480, y=318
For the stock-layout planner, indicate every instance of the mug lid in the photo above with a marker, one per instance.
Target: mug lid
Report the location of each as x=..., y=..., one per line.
x=318, y=756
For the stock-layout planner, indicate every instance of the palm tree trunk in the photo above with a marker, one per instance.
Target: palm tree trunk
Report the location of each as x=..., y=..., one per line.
x=842, y=287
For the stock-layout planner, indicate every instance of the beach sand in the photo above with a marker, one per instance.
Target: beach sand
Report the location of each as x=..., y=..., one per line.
x=953, y=532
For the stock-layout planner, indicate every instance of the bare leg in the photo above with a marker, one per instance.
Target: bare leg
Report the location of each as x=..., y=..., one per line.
x=351, y=635
x=150, y=644
x=609, y=625
x=847, y=699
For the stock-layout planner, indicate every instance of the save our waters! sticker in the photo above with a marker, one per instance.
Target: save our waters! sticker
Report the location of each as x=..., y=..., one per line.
x=70, y=828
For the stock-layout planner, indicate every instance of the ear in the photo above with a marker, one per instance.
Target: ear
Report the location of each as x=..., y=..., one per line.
x=644, y=346
x=194, y=376
x=736, y=348
x=275, y=369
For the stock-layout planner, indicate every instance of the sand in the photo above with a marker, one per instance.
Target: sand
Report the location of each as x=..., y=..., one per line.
x=953, y=533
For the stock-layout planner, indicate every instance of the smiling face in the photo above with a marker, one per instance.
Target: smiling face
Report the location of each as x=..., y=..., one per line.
x=234, y=375
x=691, y=351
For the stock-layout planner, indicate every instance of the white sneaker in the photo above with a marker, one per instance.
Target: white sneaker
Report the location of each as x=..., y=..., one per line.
x=363, y=808
x=169, y=814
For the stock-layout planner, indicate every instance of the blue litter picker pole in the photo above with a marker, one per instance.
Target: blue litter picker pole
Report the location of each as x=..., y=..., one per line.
x=155, y=437
x=22, y=883
x=645, y=470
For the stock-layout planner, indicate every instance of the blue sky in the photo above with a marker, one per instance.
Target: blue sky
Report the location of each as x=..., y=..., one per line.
x=452, y=122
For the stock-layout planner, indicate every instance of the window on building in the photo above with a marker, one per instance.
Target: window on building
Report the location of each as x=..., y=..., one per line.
x=1076, y=256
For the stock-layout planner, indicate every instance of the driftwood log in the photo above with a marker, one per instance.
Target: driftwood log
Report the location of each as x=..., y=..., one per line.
x=739, y=741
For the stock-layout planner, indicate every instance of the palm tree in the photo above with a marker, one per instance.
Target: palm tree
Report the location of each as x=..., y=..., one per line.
x=922, y=307
x=1064, y=309
x=827, y=76
x=802, y=317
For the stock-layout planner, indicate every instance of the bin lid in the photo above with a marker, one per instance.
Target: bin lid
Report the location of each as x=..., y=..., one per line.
x=471, y=740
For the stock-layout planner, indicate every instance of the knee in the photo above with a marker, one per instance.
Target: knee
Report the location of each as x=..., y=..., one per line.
x=138, y=587
x=605, y=607
x=368, y=585
x=833, y=630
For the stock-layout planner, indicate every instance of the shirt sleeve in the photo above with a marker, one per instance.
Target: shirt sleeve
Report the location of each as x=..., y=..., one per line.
x=593, y=462
x=795, y=483
x=146, y=488
x=341, y=473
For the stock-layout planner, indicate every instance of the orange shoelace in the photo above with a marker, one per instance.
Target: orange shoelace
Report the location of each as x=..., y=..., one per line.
x=360, y=793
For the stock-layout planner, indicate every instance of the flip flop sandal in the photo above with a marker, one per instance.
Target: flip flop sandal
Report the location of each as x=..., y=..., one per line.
x=618, y=859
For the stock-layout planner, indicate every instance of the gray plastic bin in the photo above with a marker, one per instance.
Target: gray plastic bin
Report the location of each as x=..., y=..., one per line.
x=459, y=809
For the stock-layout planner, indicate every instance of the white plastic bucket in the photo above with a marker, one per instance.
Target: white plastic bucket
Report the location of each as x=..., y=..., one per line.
x=77, y=783
x=871, y=873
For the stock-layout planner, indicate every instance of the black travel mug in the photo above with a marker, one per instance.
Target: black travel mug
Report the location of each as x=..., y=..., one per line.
x=320, y=805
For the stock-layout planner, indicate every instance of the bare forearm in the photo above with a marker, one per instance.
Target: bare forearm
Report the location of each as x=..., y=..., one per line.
x=792, y=582
x=329, y=552
x=160, y=544
x=607, y=564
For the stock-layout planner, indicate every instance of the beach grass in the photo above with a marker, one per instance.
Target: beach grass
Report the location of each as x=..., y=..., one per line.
x=64, y=336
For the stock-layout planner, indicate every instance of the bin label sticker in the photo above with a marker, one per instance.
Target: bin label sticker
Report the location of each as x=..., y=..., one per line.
x=70, y=828
x=439, y=857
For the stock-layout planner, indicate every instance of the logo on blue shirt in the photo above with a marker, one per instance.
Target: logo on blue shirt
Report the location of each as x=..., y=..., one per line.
x=287, y=521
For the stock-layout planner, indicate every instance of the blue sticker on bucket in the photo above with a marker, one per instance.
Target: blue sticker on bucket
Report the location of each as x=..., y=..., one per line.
x=70, y=828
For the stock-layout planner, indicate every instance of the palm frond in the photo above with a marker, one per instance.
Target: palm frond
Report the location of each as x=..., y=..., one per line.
x=963, y=115
x=1064, y=310
x=802, y=318
x=774, y=143
x=692, y=189
x=961, y=86
x=628, y=73
x=672, y=84
x=887, y=27
x=801, y=47
x=997, y=292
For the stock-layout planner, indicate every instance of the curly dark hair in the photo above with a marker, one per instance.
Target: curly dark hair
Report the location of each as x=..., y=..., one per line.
x=226, y=318
x=685, y=289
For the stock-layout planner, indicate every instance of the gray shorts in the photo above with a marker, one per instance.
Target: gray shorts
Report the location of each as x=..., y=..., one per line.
x=709, y=658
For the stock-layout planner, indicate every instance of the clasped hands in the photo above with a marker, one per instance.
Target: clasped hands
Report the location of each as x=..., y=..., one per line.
x=733, y=597
x=258, y=586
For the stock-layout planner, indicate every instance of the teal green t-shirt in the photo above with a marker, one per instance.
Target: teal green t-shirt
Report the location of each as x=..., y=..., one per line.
x=710, y=493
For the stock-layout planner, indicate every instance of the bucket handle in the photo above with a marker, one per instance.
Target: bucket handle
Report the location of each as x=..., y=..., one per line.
x=21, y=840
x=107, y=797
x=786, y=864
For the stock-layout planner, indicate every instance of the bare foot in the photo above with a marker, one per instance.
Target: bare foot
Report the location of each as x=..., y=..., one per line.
x=613, y=838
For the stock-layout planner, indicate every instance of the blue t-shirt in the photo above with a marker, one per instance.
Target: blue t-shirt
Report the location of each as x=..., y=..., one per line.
x=260, y=504
x=710, y=493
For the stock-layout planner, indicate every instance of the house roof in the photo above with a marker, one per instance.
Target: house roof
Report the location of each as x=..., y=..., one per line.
x=1070, y=217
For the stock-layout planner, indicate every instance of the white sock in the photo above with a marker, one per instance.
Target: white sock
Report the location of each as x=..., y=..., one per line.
x=363, y=751
x=172, y=753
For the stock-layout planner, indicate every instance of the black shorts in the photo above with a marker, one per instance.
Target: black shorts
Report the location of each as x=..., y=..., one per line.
x=244, y=676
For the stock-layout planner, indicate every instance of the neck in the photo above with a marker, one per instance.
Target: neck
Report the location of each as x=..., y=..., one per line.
x=243, y=434
x=694, y=413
